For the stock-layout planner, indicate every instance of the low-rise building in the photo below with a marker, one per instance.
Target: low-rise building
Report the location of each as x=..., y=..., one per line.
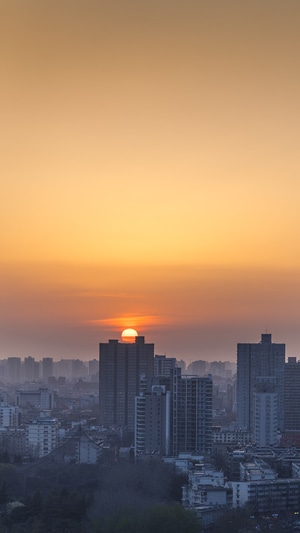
x=42, y=399
x=271, y=496
x=41, y=436
x=9, y=416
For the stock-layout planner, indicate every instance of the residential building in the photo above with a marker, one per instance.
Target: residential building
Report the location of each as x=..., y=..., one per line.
x=206, y=486
x=267, y=496
x=163, y=365
x=13, y=367
x=30, y=369
x=123, y=367
x=42, y=399
x=41, y=436
x=9, y=416
x=255, y=360
x=47, y=368
x=265, y=412
x=197, y=368
x=152, y=422
x=292, y=395
x=191, y=407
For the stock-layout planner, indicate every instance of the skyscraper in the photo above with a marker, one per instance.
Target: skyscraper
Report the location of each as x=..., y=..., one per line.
x=265, y=412
x=254, y=361
x=47, y=368
x=292, y=395
x=152, y=421
x=122, y=369
x=191, y=407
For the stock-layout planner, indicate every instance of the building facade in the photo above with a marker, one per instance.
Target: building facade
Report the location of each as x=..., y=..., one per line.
x=254, y=361
x=292, y=395
x=122, y=369
x=42, y=399
x=41, y=436
x=191, y=405
x=152, y=422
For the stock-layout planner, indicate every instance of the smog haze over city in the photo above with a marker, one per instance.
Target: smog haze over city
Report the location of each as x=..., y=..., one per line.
x=150, y=175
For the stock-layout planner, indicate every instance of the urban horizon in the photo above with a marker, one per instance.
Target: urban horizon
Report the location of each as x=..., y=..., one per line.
x=120, y=338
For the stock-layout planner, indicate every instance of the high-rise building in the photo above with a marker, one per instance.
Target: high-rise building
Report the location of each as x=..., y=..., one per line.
x=122, y=369
x=292, y=395
x=259, y=360
x=265, y=412
x=14, y=369
x=152, y=422
x=163, y=365
x=197, y=368
x=191, y=406
x=47, y=367
x=30, y=369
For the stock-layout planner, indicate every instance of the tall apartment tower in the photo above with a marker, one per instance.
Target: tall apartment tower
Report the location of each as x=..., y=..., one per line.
x=152, y=422
x=265, y=412
x=255, y=361
x=292, y=395
x=14, y=369
x=191, y=407
x=47, y=367
x=30, y=369
x=122, y=369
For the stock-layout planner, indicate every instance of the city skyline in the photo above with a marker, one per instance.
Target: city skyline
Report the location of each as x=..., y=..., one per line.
x=150, y=175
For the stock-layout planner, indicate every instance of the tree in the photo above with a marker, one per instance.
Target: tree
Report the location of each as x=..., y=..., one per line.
x=159, y=518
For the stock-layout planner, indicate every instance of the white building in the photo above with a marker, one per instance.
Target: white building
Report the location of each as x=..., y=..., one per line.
x=269, y=496
x=231, y=437
x=206, y=493
x=41, y=436
x=42, y=399
x=206, y=486
x=9, y=416
x=256, y=470
x=87, y=451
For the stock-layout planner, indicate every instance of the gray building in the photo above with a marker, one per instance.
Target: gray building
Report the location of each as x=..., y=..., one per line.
x=163, y=365
x=152, y=422
x=254, y=361
x=122, y=368
x=191, y=407
x=292, y=394
x=47, y=367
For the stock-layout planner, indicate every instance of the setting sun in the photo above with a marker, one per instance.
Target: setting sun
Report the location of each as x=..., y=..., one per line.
x=128, y=335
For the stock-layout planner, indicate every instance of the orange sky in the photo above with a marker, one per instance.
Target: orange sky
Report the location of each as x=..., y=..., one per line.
x=150, y=175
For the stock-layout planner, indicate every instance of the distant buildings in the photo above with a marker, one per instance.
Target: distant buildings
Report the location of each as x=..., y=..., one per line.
x=260, y=386
x=14, y=370
x=47, y=368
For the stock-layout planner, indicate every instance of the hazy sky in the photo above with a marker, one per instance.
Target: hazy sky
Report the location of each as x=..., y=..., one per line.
x=150, y=175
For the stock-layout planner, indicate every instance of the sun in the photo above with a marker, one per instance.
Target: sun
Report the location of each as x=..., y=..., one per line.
x=129, y=335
